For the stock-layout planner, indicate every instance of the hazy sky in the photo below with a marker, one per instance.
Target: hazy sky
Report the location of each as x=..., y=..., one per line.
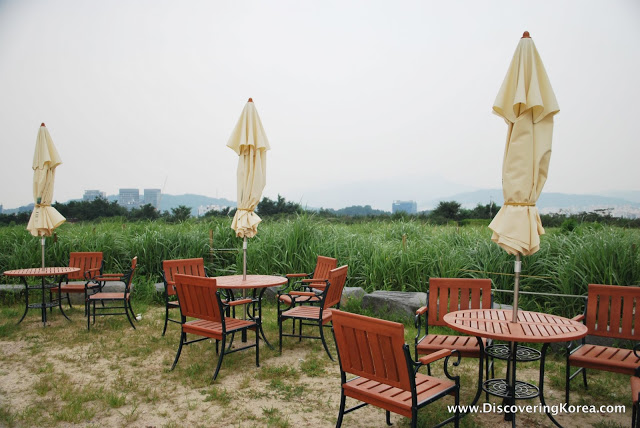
x=362, y=101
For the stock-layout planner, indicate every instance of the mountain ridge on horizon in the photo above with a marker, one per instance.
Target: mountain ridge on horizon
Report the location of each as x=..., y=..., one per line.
x=548, y=200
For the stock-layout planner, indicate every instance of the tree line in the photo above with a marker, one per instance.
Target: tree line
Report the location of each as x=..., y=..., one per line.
x=447, y=212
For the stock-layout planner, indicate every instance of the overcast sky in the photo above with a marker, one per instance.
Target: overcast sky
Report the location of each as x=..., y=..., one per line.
x=362, y=101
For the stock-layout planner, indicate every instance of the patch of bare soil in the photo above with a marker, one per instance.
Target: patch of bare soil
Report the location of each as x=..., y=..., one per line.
x=124, y=378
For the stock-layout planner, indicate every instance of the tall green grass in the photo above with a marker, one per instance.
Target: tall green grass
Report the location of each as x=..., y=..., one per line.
x=378, y=260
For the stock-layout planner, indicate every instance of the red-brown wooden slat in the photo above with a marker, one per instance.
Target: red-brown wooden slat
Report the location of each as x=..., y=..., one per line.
x=454, y=302
x=602, y=323
x=364, y=349
x=636, y=318
x=615, y=315
x=465, y=298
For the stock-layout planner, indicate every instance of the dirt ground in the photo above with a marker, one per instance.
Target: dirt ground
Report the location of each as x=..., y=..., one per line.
x=114, y=376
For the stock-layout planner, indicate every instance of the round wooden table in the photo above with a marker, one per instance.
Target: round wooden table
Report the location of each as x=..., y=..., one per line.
x=235, y=282
x=258, y=284
x=531, y=327
x=42, y=273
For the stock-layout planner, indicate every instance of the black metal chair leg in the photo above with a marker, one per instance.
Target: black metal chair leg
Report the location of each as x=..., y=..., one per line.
x=166, y=320
x=279, y=332
x=257, y=348
x=220, y=357
x=128, y=304
x=233, y=336
x=324, y=342
x=26, y=304
x=182, y=340
x=127, y=313
x=343, y=399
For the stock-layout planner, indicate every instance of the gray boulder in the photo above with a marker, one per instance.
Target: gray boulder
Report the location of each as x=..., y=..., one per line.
x=351, y=293
x=403, y=304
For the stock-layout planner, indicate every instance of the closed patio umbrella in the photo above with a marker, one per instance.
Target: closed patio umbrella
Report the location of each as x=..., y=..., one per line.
x=527, y=104
x=249, y=141
x=44, y=218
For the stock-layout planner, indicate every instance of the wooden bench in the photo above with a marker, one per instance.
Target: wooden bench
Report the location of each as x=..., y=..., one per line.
x=611, y=311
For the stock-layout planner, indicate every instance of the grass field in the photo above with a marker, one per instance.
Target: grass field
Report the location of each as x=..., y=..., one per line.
x=382, y=255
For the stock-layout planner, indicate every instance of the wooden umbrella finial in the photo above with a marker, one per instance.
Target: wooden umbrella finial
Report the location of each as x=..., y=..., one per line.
x=42, y=124
x=250, y=100
x=526, y=35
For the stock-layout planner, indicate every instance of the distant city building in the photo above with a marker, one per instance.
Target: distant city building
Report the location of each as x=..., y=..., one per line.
x=152, y=197
x=129, y=198
x=203, y=209
x=409, y=207
x=0, y=209
x=90, y=195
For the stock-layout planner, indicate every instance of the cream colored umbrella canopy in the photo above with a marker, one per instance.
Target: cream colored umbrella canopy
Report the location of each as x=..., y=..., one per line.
x=527, y=103
x=250, y=142
x=44, y=218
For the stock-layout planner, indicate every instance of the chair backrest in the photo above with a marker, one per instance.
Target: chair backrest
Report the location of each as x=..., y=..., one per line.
x=170, y=268
x=127, y=278
x=84, y=261
x=197, y=297
x=323, y=267
x=333, y=293
x=371, y=348
x=456, y=294
x=613, y=311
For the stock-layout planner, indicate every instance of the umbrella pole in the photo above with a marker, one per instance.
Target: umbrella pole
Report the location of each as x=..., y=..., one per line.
x=516, y=288
x=42, y=244
x=244, y=259
x=244, y=278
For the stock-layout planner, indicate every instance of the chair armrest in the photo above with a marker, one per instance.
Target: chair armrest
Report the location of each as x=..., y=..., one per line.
x=312, y=280
x=422, y=310
x=302, y=293
x=90, y=273
x=296, y=275
x=108, y=277
x=578, y=318
x=427, y=359
x=111, y=274
x=238, y=302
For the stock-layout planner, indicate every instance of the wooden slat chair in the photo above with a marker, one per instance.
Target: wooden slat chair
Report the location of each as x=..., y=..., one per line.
x=447, y=295
x=611, y=311
x=114, y=299
x=306, y=282
x=199, y=298
x=91, y=265
x=319, y=315
x=170, y=268
x=374, y=350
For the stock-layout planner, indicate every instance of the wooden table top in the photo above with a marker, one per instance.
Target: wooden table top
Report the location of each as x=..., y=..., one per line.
x=252, y=281
x=531, y=326
x=47, y=271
